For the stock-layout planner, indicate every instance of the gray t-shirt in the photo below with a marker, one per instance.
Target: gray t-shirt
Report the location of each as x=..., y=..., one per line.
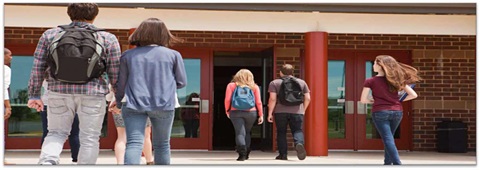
x=279, y=108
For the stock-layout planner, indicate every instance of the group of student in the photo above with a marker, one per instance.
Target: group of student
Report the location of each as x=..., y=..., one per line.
x=144, y=82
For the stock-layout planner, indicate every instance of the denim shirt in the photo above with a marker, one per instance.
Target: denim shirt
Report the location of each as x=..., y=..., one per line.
x=149, y=77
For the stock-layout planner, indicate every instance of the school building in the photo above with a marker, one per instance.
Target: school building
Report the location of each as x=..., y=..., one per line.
x=332, y=47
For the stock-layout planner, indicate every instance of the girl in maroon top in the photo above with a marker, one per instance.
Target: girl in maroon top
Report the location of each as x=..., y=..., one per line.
x=387, y=110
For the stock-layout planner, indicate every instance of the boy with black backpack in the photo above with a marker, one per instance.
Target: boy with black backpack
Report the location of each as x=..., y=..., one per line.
x=77, y=58
x=289, y=98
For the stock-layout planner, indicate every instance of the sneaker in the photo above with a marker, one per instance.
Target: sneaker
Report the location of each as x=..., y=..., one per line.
x=48, y=162
x=281, y=157
x=301, y=153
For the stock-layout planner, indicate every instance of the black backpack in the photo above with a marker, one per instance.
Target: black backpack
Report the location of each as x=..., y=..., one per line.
x=76, y=55
x=291, y=93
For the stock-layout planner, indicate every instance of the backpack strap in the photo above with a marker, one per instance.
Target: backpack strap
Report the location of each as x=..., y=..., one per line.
x=66, y=27
x=231, y=100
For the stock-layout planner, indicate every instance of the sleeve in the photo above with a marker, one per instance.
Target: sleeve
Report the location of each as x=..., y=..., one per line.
x=113, y=53
x=6, y=81
x=110, y=96
x=179, y=69
x=122, y=81
x=39, y=67
x=228, y=97
x=368, y=83
x=272, y=87
x=177, y=104
x=258, y=101
x=306, y=89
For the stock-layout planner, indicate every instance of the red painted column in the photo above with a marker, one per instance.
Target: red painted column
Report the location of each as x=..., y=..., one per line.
x=316, y=116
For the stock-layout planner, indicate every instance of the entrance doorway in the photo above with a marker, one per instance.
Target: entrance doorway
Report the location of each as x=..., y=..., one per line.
x=225, y=66
x=349, y=121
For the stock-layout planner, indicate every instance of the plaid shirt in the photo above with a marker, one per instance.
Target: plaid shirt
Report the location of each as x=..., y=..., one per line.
x=97, y=86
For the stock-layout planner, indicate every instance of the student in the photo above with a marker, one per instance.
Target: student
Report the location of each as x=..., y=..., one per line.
x=288, y=111
x=243, y=118
x=121, y=141
x=7, y=75
x=387, y=110
x=149, y=77
x=70, y=93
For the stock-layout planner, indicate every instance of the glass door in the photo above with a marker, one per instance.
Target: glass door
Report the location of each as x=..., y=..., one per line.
x=191, y=127
x=340, y=100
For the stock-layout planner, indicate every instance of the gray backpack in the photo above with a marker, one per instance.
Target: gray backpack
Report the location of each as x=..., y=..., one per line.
x=76, y=55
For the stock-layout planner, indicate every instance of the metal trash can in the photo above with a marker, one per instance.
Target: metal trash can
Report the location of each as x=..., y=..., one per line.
x=452, y=137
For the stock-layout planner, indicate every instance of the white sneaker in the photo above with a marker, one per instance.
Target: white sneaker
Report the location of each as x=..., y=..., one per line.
x=46, y=163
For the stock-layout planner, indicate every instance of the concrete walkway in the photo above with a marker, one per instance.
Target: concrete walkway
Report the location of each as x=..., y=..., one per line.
x=180, y=157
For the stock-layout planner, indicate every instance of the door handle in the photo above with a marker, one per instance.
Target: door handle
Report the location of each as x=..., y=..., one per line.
x=361, y=108
x=348, y=107
x=204, y=106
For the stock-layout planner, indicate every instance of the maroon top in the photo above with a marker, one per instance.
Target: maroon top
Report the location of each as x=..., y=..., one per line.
x=384, y=99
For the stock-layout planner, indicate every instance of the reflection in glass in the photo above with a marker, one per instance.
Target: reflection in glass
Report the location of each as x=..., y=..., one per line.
x=370, y=127
x=336, y=99
x=187, y=118
x=24, y=122
x=190, y=115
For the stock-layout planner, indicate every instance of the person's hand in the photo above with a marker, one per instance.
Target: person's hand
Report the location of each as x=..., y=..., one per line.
x=112, y=107
x=116, y=110
x=35, y=104
x=8, y=112
x=270, y=118
x=260, y=120
x=228, y=115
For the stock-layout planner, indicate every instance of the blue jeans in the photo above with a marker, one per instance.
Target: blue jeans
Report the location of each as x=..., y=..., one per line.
x=135, y=122
x=72, y=138
x=295, y=121
x=387, y=122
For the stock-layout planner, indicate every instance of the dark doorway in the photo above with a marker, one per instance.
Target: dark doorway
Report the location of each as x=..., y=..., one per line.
x=226, y=65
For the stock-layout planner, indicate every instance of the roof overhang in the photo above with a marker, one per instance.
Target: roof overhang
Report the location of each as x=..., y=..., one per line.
x=389, y=8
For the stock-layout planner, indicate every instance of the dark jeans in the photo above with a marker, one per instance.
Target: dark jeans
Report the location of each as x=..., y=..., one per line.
x=191, y=127
x=295, y=121
x=387, y=122
x=242, y=123
x=72, y=138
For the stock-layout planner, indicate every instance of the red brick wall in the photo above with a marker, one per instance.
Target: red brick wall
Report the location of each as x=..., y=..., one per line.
x=446, y=62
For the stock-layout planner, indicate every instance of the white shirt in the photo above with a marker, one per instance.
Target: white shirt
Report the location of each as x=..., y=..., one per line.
x=45, y=92
x=7, y=75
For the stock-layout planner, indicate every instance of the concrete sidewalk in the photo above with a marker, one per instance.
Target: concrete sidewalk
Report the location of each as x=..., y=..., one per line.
x=180, y=157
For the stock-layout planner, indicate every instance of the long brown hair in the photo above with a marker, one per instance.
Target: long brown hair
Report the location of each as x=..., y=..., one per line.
x=398, y=74
x=244, y=78
x=152, y=31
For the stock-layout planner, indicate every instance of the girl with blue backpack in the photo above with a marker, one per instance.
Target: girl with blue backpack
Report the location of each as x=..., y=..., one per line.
x=242, y=105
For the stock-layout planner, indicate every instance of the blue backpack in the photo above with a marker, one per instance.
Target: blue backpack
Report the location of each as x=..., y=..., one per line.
x=243, y=98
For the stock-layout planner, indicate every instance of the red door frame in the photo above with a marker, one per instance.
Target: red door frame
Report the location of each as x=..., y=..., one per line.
x=350, y=124
x=106, y=142
x=355, y=74
x=204, y=141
